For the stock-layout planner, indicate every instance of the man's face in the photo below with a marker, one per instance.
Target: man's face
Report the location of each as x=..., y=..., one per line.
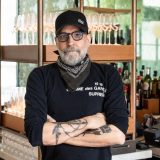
x=71, y=51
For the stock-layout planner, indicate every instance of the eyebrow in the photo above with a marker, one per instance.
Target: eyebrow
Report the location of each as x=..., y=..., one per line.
x=70, y=32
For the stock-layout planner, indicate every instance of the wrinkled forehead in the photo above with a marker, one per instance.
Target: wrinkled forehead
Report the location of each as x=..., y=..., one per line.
x=69, y=29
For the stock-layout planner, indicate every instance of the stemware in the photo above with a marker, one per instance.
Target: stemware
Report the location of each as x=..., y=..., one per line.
x=115, y=27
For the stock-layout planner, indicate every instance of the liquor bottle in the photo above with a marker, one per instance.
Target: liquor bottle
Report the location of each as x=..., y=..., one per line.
x=114, y=65
x=147, y=84
x=122, y=40
x=127, y=97
x=141, y=75
x=120, y=71
x=127, y=35
x=143, y=70
x=126, y=80
x=125, y=67
x=112, y=37
x=154, y=85
x=139, y=104
x=118, y=37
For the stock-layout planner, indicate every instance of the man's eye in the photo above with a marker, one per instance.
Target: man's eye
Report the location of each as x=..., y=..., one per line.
x=77, y=34
x=63, y=36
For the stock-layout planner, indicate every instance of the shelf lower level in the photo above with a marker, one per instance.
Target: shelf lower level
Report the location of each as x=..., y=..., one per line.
x=29, y=53
x=98, y=53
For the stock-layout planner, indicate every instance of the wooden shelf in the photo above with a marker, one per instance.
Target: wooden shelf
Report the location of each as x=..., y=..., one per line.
x=97, y=53
x=29, y=53
x=12, y=122
x=108, y=10
x=20, y=53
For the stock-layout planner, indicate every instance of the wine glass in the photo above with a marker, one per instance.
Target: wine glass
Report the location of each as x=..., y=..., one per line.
x=94, y=18
x=100, y=27
x=109, y=23
x=116, y=27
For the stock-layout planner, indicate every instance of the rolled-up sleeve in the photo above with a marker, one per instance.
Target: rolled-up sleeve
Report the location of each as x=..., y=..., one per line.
x=115, y=107
x=36, y=107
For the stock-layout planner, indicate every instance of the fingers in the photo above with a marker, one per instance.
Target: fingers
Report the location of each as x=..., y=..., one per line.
x=95, y=121
x=101, y=115
x=50, y=119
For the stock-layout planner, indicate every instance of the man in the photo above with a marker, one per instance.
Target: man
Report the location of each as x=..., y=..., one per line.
x=75, y=109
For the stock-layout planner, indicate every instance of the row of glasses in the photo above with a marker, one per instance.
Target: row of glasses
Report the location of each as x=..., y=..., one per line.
x=26, y=26
x=15, y=103
x=17, y=146
x=103, y=24
x=100, y=26
x=49, y=27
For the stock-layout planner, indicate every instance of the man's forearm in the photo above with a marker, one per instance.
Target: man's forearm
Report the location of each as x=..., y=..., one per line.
x=106, y=135
x=69, y=129
x=58, y=132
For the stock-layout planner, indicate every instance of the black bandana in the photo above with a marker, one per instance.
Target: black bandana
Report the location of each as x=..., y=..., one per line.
x=74, y=76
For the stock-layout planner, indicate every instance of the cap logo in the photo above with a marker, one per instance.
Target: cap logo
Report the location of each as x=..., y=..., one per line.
x=81, y=21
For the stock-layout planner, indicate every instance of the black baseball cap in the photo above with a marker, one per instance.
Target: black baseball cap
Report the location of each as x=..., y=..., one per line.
x=71, y=17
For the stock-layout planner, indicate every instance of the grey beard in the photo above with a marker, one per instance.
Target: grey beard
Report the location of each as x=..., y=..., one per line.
x=65, y=57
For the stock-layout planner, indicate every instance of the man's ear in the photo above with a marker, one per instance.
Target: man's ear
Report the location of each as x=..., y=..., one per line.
x=89, y=37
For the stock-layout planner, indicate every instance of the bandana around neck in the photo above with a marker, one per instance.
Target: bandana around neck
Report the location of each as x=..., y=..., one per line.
x=74, y=76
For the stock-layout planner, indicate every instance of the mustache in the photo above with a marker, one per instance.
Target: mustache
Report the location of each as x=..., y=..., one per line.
x=71, y=49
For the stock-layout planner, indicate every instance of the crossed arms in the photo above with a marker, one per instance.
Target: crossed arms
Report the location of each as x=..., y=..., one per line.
x=89, y=131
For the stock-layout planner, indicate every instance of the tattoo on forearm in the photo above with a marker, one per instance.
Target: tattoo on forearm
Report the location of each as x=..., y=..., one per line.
x=99, y=131
x=72, y=127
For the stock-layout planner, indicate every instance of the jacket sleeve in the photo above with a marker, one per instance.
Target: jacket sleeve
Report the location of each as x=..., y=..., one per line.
x=36, y=107
x=115, y=107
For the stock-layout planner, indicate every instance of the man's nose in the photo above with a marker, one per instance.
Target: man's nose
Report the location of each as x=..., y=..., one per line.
x=70, y=40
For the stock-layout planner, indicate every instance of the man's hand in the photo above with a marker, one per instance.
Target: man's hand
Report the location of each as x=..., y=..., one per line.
x=50, y=119
x=95, y=121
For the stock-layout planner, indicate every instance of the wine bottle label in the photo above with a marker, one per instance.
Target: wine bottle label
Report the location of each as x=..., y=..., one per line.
x=146, y=86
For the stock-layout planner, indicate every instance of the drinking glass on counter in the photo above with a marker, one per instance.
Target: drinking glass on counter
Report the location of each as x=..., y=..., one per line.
x=14, y=100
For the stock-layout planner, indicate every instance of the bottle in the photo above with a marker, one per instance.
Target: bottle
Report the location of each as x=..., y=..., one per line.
x=112, y=37
x=127, y=97
x=139, y=104
x=143, y=70
x=120, y=71
x=122, y=40
x=154, y=85
x=114, y=65
x=142, y=76
x=118, y=37
x=126, y=81
x=125, y=67
x=147, y=84
x=127, y=35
